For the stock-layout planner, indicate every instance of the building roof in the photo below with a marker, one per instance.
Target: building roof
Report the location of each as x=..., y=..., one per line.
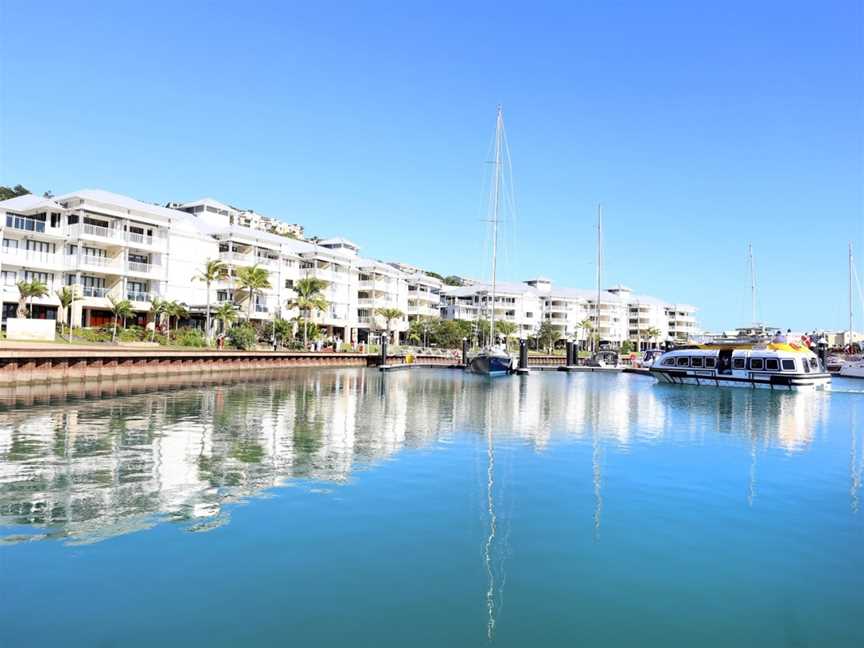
x=118, y=200
x=212, y=202
x=29, y=201
x=338, y=240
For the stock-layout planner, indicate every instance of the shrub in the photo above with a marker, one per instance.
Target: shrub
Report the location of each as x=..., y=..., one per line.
x=346, y=348
x=190, y=337
x=130, y=334
x=242, y=337
x=94, y=334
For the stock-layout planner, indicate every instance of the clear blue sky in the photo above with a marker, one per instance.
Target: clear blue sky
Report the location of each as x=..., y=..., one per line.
x=700, y=126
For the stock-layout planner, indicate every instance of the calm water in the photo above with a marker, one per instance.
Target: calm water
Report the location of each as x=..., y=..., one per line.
x=429, y=508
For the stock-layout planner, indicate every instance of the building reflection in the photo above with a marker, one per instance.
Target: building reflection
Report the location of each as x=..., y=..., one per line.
x=90, y=462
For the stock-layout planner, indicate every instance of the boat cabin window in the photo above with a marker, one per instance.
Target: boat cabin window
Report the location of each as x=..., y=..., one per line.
x=683, y=361
x=788, y=364
x=696, y=362
x=805, y=366
x=737, y=363
x=772, y=364
x=757, y=364
x=669, y=362
x=710, y=363
x=814, y=364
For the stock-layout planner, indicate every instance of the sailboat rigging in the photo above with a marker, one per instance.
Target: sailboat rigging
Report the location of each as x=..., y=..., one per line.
x=493, y=360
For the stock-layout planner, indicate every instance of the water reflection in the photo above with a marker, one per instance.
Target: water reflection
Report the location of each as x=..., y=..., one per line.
x=96, y=461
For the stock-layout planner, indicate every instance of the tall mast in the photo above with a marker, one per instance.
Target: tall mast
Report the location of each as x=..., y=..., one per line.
x=496, y=197
x=851, y=268
x=752, y=285
x=596, y=336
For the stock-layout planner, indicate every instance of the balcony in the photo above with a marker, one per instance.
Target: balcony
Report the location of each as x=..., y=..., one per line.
x=21, y=256
x=139, y=239
x=137, y=266
x=95, y=261
x=97, y=231
x=139, y=296
x=267, y=261
x=236, y=257
x=94, y=291
x=25, y=223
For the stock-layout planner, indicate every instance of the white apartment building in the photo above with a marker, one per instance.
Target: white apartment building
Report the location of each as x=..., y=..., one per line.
x=240, y=217
x=104, y=244
x=622, y=314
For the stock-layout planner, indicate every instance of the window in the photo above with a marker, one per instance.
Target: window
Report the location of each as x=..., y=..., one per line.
x=683, y=361
x=669, y=362
x=788, y=364
x=710, y=363
x=814, y=364
x=44, y=277
x=9, y=278
x=10, y=243
x=72, y=219
x=772, y=364
x=289, y=283
x=40, y=246
x=696, y=362
x=757, y=364
x=93, y=282
x=55, y=219
x=737, y=363
x=529, y=315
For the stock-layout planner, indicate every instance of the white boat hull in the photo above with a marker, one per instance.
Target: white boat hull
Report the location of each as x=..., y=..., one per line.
x=776, y=383
x=851, y=370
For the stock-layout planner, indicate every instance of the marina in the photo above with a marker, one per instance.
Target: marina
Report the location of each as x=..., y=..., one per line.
x=498, y=510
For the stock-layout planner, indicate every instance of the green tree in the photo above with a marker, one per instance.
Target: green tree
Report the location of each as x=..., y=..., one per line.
x=437, y=276
x=225, y=313
x=626, y=347
x=28, y=290
x=652, y=333
x=120, y=309
x=505, y=329
x=310, y=298
x=212, y=270
x=586, y=327
x=177, y=311
x=13, y=192
x=453, y=280
x=158, y=308
x=547, y=336
x=389, y=314
x=251, y=282
x=67, y=296
x=420, y=328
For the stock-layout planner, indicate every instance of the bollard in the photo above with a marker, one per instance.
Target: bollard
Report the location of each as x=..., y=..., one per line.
x=465, y=351
x=383, y=351
x=570, y=354
x=523, y=354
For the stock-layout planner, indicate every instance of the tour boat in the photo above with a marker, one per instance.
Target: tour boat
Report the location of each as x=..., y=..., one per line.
x=493, y=360
x=768, y=365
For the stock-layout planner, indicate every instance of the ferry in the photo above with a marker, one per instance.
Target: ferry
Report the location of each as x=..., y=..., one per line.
x=768, y=365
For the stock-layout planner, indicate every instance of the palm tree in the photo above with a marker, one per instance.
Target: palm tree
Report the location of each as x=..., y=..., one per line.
x=225, y=313
x=67, y=297
x=157, y=311
x=176, y=310
x=505, y=329
x=652, y=333
x=586, y=326
x=119, y=308
x=252, y=281
x=310, y=298
x=213, y=270
x=389, y=314
x=29, y=290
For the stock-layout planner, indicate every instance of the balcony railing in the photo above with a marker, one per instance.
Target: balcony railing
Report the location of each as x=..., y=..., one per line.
x=93, y=260
x=235, y=256
x=138, y=296
x=261, y=308
x=137, y=266
x=24, y=223
x=98, y=230
x=94, y=291
x=141, y=239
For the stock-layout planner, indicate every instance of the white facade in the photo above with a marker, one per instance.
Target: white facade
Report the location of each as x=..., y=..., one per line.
x=105, y=244
x=622, y=314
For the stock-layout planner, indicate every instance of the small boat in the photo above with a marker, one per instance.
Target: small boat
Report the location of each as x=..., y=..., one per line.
x=493, y=360
x=851, y=369
x=772, y=365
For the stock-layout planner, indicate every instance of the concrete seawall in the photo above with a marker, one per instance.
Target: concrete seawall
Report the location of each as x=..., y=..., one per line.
x=22, y=364
x=34, y=365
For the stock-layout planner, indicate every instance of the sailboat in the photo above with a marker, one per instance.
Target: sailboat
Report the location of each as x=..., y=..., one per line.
x=851, y=368
x=493, y=360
